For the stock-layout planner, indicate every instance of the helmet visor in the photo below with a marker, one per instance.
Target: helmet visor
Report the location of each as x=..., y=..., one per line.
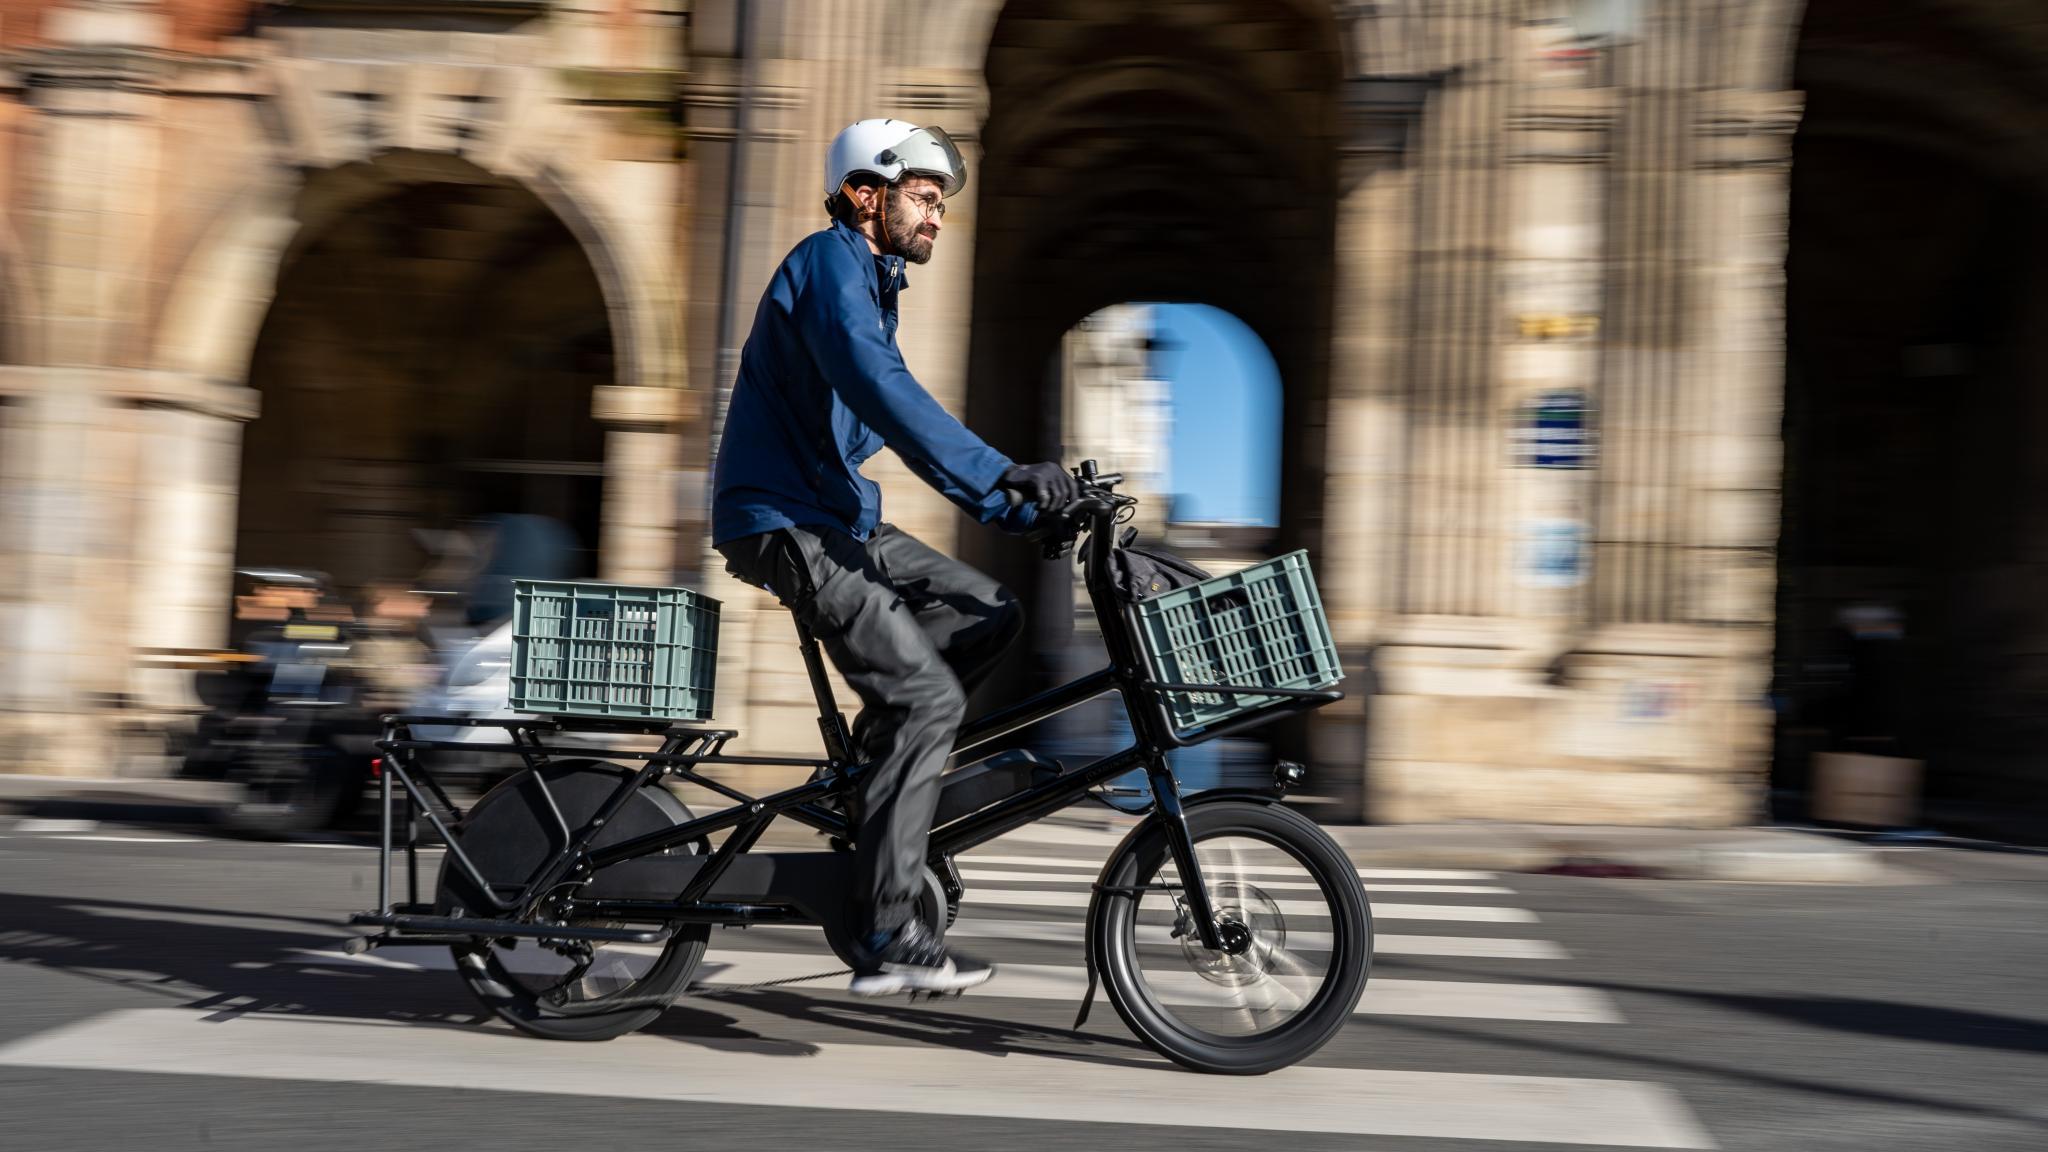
x=930, y=152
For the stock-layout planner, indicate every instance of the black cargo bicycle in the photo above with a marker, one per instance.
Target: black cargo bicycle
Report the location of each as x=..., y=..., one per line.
x=1230, y=932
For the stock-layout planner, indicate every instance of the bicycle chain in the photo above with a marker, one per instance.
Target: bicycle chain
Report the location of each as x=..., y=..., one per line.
x=720, y=991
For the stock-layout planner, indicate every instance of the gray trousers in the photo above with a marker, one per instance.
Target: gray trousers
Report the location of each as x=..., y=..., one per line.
x=912, y=631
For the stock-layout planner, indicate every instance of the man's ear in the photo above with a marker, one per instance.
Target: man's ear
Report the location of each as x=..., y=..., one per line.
x=862, y=197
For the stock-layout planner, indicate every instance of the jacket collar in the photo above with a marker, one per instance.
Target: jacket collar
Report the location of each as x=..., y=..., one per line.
x=887, y=268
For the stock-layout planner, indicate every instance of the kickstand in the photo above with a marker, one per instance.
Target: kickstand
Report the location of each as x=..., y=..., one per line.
x=1088, y=998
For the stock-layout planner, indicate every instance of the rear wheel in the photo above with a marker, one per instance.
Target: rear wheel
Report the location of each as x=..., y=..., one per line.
x=572, y=990
x=565, y=989
x=1296, y=925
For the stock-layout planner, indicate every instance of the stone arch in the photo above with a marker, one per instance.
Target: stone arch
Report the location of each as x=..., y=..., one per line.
x=385, y=121
x=221, y=290
x=224, y=286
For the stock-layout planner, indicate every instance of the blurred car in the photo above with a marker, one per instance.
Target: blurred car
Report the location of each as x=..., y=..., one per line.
x=289, y=715
x=477, y=684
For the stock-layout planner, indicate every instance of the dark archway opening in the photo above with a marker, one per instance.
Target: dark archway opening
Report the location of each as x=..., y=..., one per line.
x=1912, y=622
x=1133, y=151
x=427, y=365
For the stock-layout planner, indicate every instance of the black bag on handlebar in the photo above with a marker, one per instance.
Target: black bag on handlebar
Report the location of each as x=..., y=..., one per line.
x=1142, y=573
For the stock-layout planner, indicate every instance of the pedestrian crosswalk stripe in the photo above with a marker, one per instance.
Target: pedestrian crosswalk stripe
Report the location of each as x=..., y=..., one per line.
x=1474, y=913
x=1470, y=999
x=1473, y=946
x=874, y=1078
x=1467, y=999
x=133, y=839
x=1039, y=898
x=1093, y=867
x=1042, y=898
x=1392, y=944
x=1383, y=943
x=44, y=826
x=1000, y=876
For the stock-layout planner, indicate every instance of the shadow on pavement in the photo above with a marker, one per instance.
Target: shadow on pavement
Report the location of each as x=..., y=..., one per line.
x=262, y=967
x=270, y=965
x=898, y=1020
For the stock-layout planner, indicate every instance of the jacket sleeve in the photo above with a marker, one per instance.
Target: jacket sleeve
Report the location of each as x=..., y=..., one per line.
x=842, y=327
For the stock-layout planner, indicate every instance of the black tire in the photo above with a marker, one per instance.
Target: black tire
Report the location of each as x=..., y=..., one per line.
x=517, y=980
x=1114, y=939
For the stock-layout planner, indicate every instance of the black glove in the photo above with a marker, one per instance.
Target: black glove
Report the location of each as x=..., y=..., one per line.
x=1047, y=485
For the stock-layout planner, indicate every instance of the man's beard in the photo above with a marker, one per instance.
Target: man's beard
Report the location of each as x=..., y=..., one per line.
x=906, y=238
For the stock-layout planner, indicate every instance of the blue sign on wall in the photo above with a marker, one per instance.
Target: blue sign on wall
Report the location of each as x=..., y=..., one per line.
x=1554, y=431
x=1553, y=553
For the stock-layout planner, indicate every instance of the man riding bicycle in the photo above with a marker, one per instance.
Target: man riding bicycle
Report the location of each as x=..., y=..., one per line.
x=822, y=388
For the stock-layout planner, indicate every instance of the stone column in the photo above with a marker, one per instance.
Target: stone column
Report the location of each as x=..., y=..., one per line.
x=1742, y=167
x=71, y=525
x=89, y=220
x=63, y=562
x=639, y=482
x=1368, y=412
x=188, y=449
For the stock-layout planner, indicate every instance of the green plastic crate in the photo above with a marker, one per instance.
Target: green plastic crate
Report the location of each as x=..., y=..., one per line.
x=588, y=649
x=1262, y=627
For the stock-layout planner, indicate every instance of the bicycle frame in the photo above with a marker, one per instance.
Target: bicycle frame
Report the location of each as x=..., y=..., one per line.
x=684, y=750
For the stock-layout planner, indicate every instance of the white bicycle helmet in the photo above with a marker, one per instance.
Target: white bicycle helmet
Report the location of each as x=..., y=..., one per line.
x=892, y=149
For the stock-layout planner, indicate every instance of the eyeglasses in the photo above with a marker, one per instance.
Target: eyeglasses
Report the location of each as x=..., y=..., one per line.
x=933, y=207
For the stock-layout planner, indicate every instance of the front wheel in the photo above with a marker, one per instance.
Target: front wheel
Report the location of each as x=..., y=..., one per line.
x=1287, y=899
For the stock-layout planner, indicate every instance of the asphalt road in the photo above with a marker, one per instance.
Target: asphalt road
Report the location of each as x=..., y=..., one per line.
x=162, y=985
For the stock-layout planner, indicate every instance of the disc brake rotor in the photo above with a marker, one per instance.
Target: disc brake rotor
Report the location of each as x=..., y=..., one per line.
x=1248, y=907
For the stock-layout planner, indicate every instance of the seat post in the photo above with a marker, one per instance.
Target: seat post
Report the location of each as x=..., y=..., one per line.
x=831, y=722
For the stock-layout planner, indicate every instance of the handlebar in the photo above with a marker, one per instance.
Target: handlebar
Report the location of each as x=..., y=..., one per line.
x=1097, y=492
x=1056, y=532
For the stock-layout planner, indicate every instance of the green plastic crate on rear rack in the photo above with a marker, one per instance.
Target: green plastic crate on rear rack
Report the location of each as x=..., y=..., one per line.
x=1259, y=627
x=581, y=648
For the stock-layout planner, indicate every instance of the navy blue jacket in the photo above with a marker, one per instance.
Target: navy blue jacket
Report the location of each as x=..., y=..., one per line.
x=821, y=388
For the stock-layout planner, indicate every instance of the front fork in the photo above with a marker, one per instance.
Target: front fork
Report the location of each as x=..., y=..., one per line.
x=1194, y=890
x=1195, y=902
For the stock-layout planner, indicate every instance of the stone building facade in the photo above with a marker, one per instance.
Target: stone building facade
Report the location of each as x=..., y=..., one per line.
x=1521, y=265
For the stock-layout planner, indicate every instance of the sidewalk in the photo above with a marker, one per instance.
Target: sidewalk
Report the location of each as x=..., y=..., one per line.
x=140, y=800
x=1760, y=855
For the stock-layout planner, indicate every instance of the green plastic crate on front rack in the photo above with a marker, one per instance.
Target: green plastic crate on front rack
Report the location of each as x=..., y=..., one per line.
x=588, y=649
x=1261, y=627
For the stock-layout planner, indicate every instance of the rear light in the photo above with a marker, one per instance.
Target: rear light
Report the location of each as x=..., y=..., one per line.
x=376, y=767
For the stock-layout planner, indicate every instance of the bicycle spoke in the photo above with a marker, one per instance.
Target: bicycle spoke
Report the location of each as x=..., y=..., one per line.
x=1266, y=984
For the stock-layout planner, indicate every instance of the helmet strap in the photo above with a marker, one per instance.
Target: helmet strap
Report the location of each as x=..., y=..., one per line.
x=881, y=218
